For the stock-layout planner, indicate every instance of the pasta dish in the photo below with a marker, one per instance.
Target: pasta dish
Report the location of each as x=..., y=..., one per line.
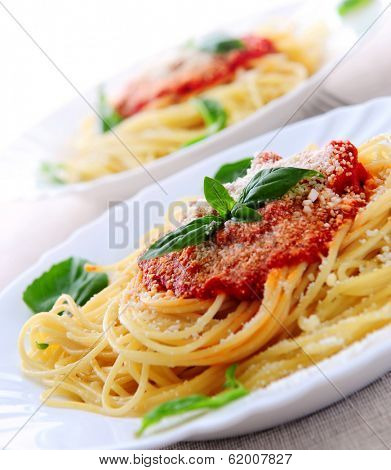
x=283, y=266
x=183, y=99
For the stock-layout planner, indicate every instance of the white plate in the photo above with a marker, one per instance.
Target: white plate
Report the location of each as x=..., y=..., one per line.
x=48, y=140
x=289, y=398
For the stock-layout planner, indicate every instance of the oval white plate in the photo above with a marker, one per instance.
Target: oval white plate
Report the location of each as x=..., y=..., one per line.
x=289, y=398
x=47, y=141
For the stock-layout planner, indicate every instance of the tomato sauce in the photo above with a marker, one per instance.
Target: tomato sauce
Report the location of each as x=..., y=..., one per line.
x=295, y=228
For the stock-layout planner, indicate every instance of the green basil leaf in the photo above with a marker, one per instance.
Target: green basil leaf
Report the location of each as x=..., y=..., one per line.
x=217, y=196
x=193, y=233
x=232, y=171
x=52, y=172
x=66, y=277
x=273, y=183
x=212, y=112
x=171, y=408
x=230, y=378
x=213, y=115
x=195, y=140
x=109, y=116
x=220, y=43
x=233, y=390
x=241, y=213
x=348, y=6
x=41, y=345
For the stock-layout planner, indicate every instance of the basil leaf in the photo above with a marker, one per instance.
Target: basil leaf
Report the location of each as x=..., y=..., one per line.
x=347, y=6
x=273, y=183
x=41, y=345
x=212, y=112
x=233, y=390
x=217, y=196
x=195, y=140
x=220, y=43
x=241, y=213
x=193, y=233
x=230, y=379
x=213, y=115
x=109, y=116
x=232, y=171
x=66, y=277
x=52, y=172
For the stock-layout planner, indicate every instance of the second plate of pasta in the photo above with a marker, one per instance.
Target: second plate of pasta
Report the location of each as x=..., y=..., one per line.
x=166, y=114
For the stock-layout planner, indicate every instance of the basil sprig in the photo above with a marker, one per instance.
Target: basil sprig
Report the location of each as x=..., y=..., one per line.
x=233, y=390
x=213, y=115
x=232, y=171
x=348, y=6
x=219, y=43
x=52, y=172
x=66, y=277
x=219, y=198
x=266, y=185
x=109, y=117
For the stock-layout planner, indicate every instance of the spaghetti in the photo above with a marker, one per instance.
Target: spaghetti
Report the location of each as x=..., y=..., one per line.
x=132, y=347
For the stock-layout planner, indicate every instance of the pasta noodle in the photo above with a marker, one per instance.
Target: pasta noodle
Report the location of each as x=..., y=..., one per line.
x=129, y=349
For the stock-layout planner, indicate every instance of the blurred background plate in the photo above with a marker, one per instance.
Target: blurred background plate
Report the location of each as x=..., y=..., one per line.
x=48, y=140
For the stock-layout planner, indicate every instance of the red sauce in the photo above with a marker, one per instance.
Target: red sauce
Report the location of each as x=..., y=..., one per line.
x=238, y=260
x=189, y=76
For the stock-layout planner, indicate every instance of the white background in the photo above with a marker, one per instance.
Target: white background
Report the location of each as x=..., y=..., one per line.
x=300, y=460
